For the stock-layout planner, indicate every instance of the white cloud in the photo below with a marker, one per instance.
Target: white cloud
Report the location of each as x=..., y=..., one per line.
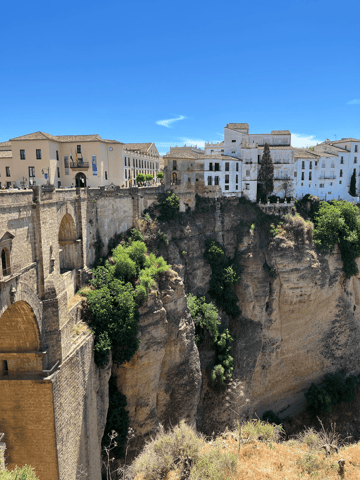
x=298, y=140
x=356, y=101
x=167, y=123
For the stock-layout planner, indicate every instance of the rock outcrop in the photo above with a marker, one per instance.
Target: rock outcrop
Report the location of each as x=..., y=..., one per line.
x=295, y=327
x=163, y=379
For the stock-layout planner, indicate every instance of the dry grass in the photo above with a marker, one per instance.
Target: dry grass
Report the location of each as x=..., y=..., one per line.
x=297, y=229
x=269, y=459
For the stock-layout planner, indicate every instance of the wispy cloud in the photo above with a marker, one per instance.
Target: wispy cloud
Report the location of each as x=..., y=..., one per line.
x=170, y=121
x=298, y=140
x=356, y=101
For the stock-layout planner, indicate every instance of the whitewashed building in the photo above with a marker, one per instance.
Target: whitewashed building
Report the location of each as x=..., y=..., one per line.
x=140, y=158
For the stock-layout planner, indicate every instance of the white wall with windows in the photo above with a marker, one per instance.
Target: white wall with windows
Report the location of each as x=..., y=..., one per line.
x=225, y=172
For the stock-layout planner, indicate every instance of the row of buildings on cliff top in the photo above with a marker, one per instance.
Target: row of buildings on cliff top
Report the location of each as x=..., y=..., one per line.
x=228, y=168
x=74, y=161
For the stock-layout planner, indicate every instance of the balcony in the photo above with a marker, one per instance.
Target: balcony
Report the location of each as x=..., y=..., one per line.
x=327, y=177
x=79, y=165
x=282, y=178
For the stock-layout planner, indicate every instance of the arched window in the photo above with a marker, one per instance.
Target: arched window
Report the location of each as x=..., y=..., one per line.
x=67, y=244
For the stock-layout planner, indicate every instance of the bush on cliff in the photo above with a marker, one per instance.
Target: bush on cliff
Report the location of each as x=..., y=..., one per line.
x=339, y=222
x=334, y=389
x=169, y=206
x=224, y=275
x=19, y=473
x=207, y=322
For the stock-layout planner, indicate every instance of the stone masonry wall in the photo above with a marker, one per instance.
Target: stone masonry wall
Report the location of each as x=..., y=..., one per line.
x=27, y=419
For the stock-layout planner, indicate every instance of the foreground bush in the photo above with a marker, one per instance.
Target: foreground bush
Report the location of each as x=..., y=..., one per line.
x=19, y=473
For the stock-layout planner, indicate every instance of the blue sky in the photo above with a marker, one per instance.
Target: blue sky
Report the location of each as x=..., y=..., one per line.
x=126, y=69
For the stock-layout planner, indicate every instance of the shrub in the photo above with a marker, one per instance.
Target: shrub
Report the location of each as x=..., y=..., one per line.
x=335, y=388
x=271, y=417
x=224, y=275
x=339, y=222
x=214, y=464
x=160, y=175
x=140, y=178
x=168, y=451
x=19, y=473
x=149, y=177
x=206, y=319
x=136, y=235
x=169, y=206
x=256, y=428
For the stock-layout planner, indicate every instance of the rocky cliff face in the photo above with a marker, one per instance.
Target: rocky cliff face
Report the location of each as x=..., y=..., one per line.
x=294, y=327
x=163, y=379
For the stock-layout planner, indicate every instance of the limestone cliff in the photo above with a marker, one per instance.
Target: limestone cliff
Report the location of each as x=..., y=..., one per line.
x=294, y=327
x=163, y=379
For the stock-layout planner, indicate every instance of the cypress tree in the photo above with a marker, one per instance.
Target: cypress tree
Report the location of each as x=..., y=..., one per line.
x=353, y=184
x=266, y=172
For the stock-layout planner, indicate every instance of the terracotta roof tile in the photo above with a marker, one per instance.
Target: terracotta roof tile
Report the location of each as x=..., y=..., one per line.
x=304, y=153
x=5, y=144
x=280, y=132
x=64, y=138
x=138, y=147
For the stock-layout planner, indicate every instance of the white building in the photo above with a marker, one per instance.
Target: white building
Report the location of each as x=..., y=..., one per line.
x=140, y=158
x=225, y=171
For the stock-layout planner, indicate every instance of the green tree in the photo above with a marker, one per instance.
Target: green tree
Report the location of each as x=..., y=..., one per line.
x=266, y=172
x=149, y=177
x=160, y=175
x=352, y=190
x=140, y=178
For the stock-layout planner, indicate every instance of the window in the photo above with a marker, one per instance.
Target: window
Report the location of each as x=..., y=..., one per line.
x=105, y=175
x=136, y=164
x=237, y=167
x=303, y=165
x=226, y=187
x=237, y=179
x=302, y=176
x=58, y=171
x=295, y=174
x=310, y=175
x=226, y=178
x=247, y=186
x=133, y=162
x=216, y=181
x=8, y=172
x=22, y=154
x=66, y=164
x=38, y=154
x=57, y=155
x=210, y=166
x=8, y=184
x=340, y=182
x=237, y=187
x=209, y=180
x=125, y=161
x=227, y=166
x=217, y=167
x=341, y=173
x=355, y=148
x=355, y=159
x=133, y=173
x=31, y=171
x=322, y=185
x=345, y=147
x=342, y=160
x=233, y=141
x=125, y=173
x=59, y=184
x=174, y=165
x=78, y=149
x=248, y=173
x=310, y=165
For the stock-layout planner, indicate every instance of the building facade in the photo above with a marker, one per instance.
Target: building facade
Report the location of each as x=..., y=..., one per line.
x=71, y=160
x=140, y=158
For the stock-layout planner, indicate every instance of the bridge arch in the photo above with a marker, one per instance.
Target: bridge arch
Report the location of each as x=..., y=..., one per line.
x=19, y=329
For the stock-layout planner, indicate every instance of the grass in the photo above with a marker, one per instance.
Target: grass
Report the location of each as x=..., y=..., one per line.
x=181, y=454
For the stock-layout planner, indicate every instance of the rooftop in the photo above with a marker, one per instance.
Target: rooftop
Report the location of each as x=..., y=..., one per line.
x=238, y=126
x=280, y=132
x=343, y=140
x=64, y=138
x=138, y=147
x=304, y=153
x=5, y=144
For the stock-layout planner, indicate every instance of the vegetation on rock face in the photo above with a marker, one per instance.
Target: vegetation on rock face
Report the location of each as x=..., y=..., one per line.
x=339, y=222
x=224, y=275
x=266, y=172
x=207, y=323
x=169, y=206
x=120, y=285
x=334, y=389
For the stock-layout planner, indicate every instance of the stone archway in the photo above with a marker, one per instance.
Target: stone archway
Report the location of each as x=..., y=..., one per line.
x=19, y=329
x=80, y=180
x=67, y=244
